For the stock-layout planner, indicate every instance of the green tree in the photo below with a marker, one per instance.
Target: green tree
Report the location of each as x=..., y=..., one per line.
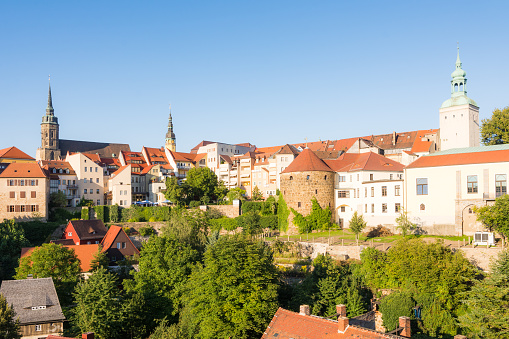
x=165, y=331
x=282, y=214
x=236, y=193
x=257, y=194
x=357, y=224
x=395, y=305
x=203, y=183
x=487, y=314
x=234, y=293
x=12, y=240
x=9, y=328
x=100, y=260
x=56, y=261
x=496, y=216
x=250, y=223
x=57, y=199
x=164, y=268
x=495, y=131
x=404, y=223
x=188, y=226
x=175, y=192
x=98, y=305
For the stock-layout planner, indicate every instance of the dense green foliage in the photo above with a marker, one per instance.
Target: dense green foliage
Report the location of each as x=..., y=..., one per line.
x=56, y=261
x=164, y=267
x=225, y=223
x=357, y=224
x=487, y=313
x=432, y=274
x=136, y=213
x=38, y=232
x=201, y=184
x=495, y=131
x=57, y=199
x=12, y=240
x=9, y=328
x=102, y=212
x=62, y=215
x=282, y=214
x=114, y=213
x=404, y=223
x=318, y=219
x=395, y=305
x=496, y=217
x=234, y=293
x=236, y=193
x=85, y=213
x=146, y=231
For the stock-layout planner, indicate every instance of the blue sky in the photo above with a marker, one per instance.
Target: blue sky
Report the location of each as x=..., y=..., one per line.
x=265, y=72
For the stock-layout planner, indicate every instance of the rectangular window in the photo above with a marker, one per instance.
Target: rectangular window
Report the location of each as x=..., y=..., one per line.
x=422, y=186
x=343, y=194
x=500, y=185
x=298, y=204
x=372, y=191
x=85, y=169
x=97, y=191
x=397, y=190
x=343, y=208
x=365, y=192
x=85, y=180
x=85, y=191
x=365, y=208
x=472, y=183
x=390, y=177
x=397, y=207
x=371, y=177
x=98, y=202
x=90, y=169
x=91, y=180
x=372, y=208
x=11, y=208
x=358, y=193
x=12, y=195
x=123, y=245
x=358, y=178
x=384, y=208
x=33, y=208
x=342, y=178
x=69, y=234
x=120, y=202
x=118, y=245
x=354, y=191
x=97, y=180
x=23, y=208
x=384, y=191
x=22, y=194
x=38, y=328
x=96, y=169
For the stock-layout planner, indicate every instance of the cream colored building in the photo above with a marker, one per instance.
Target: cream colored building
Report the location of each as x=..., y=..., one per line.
x=119, y=187
x=441, y=189
x=24, y=192
x=90, y=176
x=369, y=184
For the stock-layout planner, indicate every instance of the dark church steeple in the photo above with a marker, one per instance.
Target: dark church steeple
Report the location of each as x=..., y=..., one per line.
x=50, y=148
x=171, y=140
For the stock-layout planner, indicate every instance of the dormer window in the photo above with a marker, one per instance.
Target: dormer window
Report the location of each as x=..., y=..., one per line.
x=60, y=171
x=54, y=170
x=69, y=234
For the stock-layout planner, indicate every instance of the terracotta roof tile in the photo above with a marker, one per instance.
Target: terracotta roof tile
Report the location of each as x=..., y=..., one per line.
x=14, y=153
x=110, y=237
x=50, y=164
x=349, y=162
x=23, y=170
x=307, y=160
x=474, y=157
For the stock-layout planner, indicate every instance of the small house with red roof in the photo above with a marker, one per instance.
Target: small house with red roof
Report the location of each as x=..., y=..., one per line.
x=303, y=325
x=83, y=232
x=24, y=191
x=117, y=245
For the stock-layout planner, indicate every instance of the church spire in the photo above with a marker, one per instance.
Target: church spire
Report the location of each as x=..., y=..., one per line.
x=49, y=109
x=459, y=80
x=170, y=142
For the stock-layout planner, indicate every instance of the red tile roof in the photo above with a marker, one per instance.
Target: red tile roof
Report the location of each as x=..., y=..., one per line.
x=23, y=170
x=14, y=153
x=461, y=159
x=85, y=254
x=110, y=237
x=307, y=160
x=50, y=164
x=203, y=143
x=287, y=324
x=421, y=143
x=188, y=157
x=349, y=162
x=94, y=157
x=119, y=170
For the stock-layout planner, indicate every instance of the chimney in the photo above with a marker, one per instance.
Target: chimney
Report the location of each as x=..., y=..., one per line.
x=394, y=138
x=404, y=323
x=342, y=324
x=304, y=310
x=88, y=335
x=341, y=310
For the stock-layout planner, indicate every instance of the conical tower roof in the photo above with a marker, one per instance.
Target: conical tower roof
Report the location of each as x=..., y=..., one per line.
x=307, y=161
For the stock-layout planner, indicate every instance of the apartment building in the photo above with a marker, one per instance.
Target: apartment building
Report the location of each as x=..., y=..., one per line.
x=119, y=187
x=369, y=184
x=24, y=191
x=90, y=176
x=63, y=178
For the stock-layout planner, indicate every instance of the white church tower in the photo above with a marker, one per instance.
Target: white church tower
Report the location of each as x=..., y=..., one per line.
x=459, y=115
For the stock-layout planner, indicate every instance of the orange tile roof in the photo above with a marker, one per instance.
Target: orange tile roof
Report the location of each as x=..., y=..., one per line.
x=110, y=237
x=268, y=150
x=23, y=170
x=203, y=143
x=85, y=254
x=421, y=145
x=14, y=153
x=350, y=162
x=119, y=170
x=147, y=169
x=50, y=164
x=287, y=324
x=94, y=157
x=307, y=160
x=461, y=159
x=189, y=157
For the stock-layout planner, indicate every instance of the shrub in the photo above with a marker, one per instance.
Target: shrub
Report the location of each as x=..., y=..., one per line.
x=269, y=221
x=395, y=305
x=85, y=213
x=224, y=223
x=100, y=212
x=114, y=213
x=282, y=213
x=146, y=231
x=37, y=232
x=252, y=206
x=61, y=215
x=194, y=204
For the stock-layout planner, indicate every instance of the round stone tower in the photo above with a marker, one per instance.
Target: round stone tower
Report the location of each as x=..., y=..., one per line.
x=306, y=178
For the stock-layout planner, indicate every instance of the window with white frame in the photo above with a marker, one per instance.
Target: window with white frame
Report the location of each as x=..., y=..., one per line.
x=472, y=183
x=384, y=208
x=500, y=184
x=397, y=190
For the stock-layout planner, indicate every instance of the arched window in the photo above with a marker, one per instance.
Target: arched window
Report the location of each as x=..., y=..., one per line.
x=291, y=177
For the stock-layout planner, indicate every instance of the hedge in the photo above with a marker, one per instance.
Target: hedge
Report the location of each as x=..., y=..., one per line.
x=224, y=223
x=85, y=213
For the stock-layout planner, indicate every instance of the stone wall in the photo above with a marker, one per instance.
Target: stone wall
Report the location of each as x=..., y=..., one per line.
x=298, y=188
x=230, y=211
